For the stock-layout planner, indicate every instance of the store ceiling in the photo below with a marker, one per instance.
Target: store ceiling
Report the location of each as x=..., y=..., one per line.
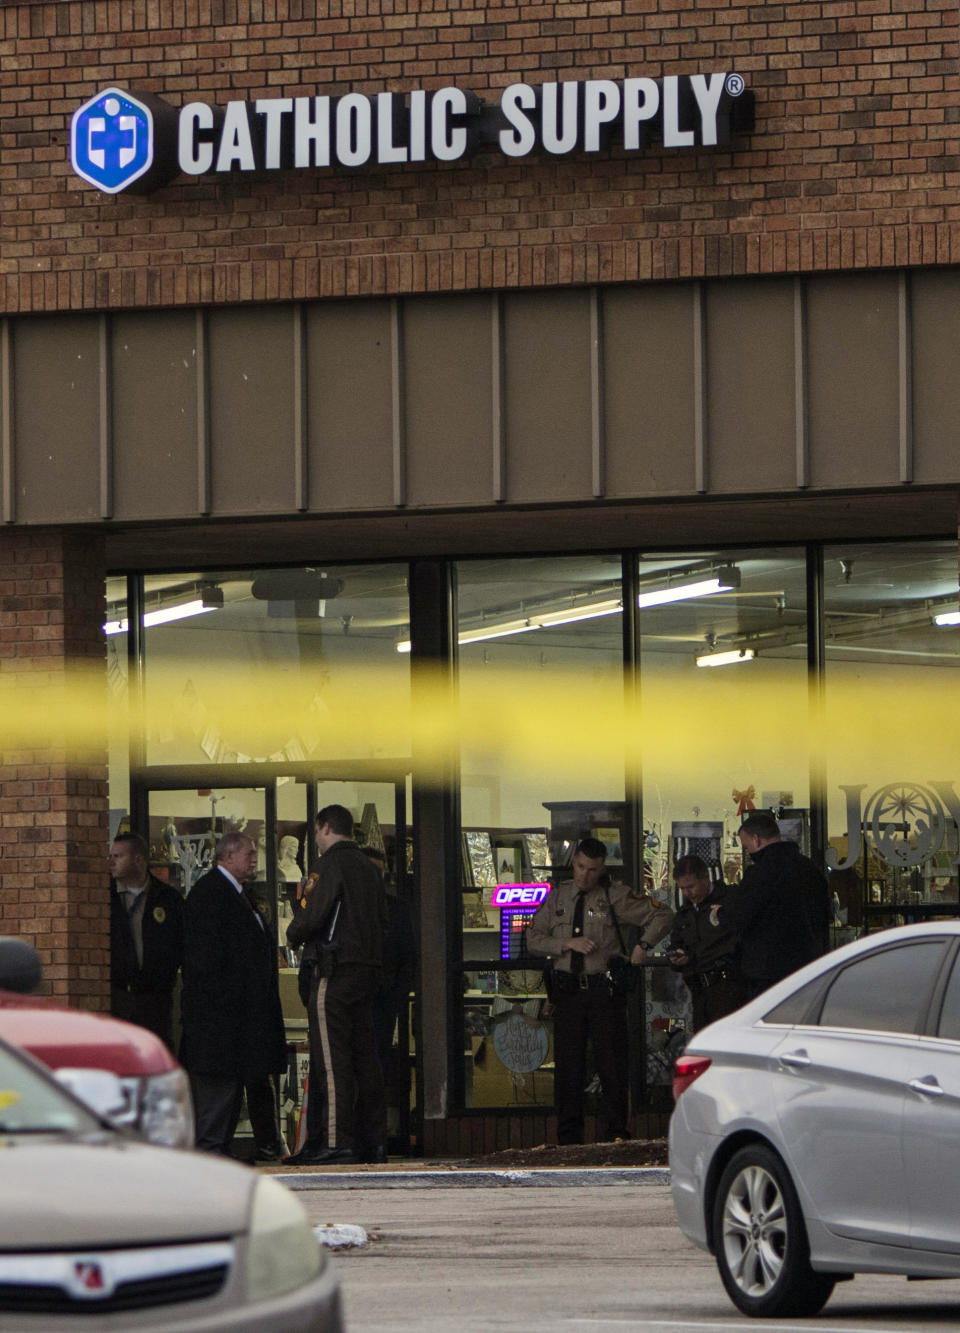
x=879, y=601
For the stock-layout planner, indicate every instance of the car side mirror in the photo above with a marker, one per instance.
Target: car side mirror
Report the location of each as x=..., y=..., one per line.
x=98, y=1088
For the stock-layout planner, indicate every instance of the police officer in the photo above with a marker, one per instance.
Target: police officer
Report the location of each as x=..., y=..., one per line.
x=146, y=939
x=577, y=927
x=705, y=955
x=345, y=909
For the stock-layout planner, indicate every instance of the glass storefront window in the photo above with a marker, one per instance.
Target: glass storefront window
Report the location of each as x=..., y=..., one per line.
x=892, y=656
x=723, y=707
x=723, y=723
x=278, y=665
x=541, y=706
x=721, y=718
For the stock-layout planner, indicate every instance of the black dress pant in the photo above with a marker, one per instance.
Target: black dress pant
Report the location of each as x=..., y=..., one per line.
x=316, y=1099
x=264, y=1113
x=597, y=1017
x=718, y=1000
x=352, y=1077
x=148, y=1009
x=216, y=1106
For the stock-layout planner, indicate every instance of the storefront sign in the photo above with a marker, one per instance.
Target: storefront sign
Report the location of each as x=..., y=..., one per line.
x=121, y=140
x=519, y=895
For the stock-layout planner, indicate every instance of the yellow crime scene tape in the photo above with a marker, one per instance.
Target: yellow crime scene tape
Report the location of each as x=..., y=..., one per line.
x=884, y=720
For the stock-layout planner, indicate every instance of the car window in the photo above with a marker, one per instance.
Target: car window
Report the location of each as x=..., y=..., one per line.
x=884, y=992
x=31, y=1104
x=949, y=1025
x=796, y=1007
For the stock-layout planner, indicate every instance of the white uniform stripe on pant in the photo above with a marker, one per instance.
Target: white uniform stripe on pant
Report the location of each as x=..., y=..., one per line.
x=327, y=1064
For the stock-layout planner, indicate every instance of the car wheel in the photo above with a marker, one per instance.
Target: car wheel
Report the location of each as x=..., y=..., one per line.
x=761, y=1242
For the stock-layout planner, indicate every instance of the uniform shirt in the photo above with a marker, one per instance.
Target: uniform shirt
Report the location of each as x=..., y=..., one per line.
x=344, y=872
x=706, y=946
x=134, y=900
x=553, y=923
x=153, y=966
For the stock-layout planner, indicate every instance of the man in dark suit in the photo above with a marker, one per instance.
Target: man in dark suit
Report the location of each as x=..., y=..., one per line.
x=782, y=910
x=397, y=979
x=146, y=939
x=232, y=1021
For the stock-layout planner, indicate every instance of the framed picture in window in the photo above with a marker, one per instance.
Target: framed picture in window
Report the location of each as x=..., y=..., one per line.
x=480, y=854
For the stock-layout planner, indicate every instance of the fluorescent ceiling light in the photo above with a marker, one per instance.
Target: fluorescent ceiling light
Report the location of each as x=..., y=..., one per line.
x=727, y=658
x=545, y=620
x=724, y=581
x=947, y=618
x=162, y=616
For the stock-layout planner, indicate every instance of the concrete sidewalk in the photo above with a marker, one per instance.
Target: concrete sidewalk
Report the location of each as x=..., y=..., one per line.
x=438, y=1175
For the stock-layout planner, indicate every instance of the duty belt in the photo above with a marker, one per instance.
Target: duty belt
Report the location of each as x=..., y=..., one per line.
x=568, y=982
x=702, y=980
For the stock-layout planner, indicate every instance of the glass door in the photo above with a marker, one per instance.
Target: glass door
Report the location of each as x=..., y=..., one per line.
x=278, y=813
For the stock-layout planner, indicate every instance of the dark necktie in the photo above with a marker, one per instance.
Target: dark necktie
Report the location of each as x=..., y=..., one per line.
x=577, y=959
x=135, y=904
x=251, y=902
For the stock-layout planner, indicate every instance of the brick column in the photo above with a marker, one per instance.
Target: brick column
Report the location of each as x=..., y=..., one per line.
x=53, y=791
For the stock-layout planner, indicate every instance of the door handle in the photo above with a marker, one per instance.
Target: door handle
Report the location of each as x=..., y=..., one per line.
x=795, y=1059
x=928, y=1086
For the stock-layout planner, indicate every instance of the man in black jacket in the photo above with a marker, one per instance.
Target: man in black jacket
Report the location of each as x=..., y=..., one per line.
x=146, y=939
x=391, y=1002
x=344, y=918
x=783, y=909
x=233, y=1030
x=399, y=965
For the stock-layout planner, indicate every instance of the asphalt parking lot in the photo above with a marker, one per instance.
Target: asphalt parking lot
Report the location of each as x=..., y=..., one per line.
x=576, y=1260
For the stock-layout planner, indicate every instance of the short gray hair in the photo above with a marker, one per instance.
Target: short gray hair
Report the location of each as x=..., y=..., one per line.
x=232, y=842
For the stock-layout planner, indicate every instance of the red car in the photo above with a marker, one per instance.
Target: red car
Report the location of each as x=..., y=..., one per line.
x=156, y=1092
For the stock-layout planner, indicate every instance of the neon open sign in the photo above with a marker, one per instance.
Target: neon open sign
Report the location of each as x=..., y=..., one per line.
x=519, y=895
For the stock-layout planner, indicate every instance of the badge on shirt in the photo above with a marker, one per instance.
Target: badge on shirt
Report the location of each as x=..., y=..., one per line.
x=307, y=886
x=159, y=915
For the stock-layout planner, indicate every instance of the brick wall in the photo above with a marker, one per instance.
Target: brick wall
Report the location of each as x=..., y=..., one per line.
x=854, y=161
x=53, y=796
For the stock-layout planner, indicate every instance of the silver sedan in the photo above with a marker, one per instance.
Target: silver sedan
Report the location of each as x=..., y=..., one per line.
x=100, y=1230
x=816, y=1133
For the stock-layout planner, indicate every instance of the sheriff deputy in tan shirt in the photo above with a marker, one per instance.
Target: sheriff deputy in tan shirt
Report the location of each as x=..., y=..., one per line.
x=575, y=927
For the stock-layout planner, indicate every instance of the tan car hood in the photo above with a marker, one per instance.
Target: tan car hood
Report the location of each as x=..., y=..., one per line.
x=58, y=1194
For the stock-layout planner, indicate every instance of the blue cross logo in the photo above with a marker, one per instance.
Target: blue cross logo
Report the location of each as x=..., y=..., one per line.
x=111, y=140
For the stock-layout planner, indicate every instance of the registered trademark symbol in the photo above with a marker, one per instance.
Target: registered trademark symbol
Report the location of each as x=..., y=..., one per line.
x=734, y=84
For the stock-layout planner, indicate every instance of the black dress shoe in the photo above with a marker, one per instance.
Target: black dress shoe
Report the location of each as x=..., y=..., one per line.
x=321, y=1157
x=269, y=1156
x=307, y=1154
x=332, y=1156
